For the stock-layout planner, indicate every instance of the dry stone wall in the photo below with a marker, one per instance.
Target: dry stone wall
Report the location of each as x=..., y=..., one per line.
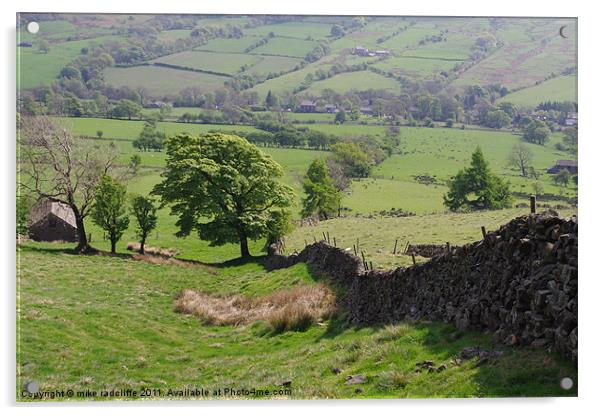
x=519, y=283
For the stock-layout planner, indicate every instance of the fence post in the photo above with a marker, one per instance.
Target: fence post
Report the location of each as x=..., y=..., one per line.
x=335, y=241
x=448, y=247
x=533, y=200
x=483, y=231
x=395, y=247
x=413, y=259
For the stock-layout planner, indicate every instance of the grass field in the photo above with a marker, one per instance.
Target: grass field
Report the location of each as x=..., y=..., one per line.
x=228, y=45
x=415, y=67
x=562, y=88
x=173, y=35
x=162, y=81
x=359, y=81
x=300, y=30
x=227, y=63
x=296, y=48
x=35, y=68
x=121, y=331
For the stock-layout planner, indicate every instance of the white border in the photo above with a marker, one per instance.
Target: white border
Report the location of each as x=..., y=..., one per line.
x=589, y=160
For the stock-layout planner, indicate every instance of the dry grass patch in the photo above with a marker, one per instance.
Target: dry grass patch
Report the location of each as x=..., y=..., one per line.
x=152, y=250
x=291, y=309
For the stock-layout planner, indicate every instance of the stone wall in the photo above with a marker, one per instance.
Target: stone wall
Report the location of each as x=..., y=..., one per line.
x=519, y=283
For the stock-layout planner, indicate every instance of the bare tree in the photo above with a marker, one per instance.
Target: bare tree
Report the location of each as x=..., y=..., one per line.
x=55, y=165
x=520, y=157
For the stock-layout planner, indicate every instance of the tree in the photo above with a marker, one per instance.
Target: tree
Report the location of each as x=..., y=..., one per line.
x=336, y=31
x=476, y=187
x=353, y=160
x=570, y=136
x=562, y=178
x=538, y=188
x=149, y=138
x=340, y=118
x=223, y=187
x=323, y=199
x=126, y=109
x=99, y=134
x=271, y=100
x=497, y=119
x=145, y=213
x=135, y=162
x=56, y=166
x=520, y=157
x=43, y=46
x=109, y=210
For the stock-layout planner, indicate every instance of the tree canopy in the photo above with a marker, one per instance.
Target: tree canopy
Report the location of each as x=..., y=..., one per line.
x=476, y=187
x=224, y=188
x=109, y=209
x=322, y=197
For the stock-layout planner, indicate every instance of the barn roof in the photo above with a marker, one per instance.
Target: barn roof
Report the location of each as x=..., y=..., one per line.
x=566, y=162
x=47, y=207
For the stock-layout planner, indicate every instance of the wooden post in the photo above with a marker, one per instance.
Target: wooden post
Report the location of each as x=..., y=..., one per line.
x=414, y=259
x=395, y=247
x=406, y=248
x=324, y=235
x=483, y=231
x=335, y=241
x=533, y=200
x=354, y=250
x=315, y=239
x=358, y=244
x=371, y=267
x=328, y=237
x=448, y=247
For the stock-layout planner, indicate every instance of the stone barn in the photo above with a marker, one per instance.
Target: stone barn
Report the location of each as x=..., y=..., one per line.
x=52, y=221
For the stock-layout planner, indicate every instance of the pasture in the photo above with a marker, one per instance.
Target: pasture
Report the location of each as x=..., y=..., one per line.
x=562, y=88
x=359, y=81
x=121, y=331
x=298, y=30
x=162, y=81
x=35, y=68
x=225, y=63
x=283, y=46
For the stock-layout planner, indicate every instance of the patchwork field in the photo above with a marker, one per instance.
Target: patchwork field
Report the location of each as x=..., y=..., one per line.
x=299, y=30
x=162, y=81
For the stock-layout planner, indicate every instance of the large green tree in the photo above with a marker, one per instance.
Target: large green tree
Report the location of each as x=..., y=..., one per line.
x=476, y=187
x=109, y=209
x=322, y=197
x=223, y=187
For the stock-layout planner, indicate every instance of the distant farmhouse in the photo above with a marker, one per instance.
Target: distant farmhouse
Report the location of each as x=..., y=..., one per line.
x=570, y=165
x=52, y=221
x=362, y=51
x=571, y=119
x=307, y=106
x=25, y=45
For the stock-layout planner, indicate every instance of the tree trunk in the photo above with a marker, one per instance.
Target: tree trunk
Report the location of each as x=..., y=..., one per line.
x=113, y=244
x=142, y=245
x=244, y=245
x=82, y=238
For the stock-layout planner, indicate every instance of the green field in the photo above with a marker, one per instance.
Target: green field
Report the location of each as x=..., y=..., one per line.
x=228, y=45
x=359, y=81
x=300, y=30
x=162, y=81
x=173, y=35
x=35, y=68
x=415, y=67
x=228, y=63
x=121, y=331
x=562, y=88
x=296, y=48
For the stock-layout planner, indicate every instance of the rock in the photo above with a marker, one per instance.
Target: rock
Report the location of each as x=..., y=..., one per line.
x=286, y=383
x=355, y=379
